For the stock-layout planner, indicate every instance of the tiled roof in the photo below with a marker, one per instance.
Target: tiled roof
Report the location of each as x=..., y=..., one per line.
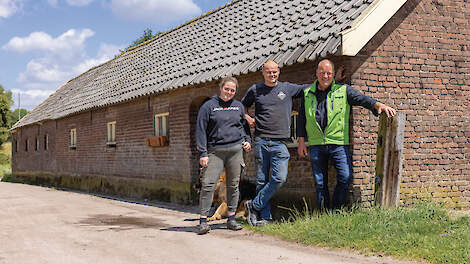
x=232, y=40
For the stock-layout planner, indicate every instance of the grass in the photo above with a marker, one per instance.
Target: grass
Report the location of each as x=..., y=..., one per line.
x=5, y=160
x=424, y=231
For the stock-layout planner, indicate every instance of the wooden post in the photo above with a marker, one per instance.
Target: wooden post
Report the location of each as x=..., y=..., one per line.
x=389, y=160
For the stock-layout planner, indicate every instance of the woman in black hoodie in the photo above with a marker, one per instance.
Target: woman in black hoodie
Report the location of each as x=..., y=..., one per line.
x=221, y=136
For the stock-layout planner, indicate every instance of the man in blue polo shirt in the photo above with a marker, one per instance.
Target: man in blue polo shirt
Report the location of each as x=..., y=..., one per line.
x=273, y=106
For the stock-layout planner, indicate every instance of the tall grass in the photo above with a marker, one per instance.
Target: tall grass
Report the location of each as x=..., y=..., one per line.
x=5, y=160
x=422, y=232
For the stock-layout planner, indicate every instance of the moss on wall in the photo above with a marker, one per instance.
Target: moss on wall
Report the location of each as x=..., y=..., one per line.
x=161, y=190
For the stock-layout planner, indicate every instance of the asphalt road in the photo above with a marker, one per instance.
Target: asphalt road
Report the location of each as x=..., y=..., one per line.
x=42, y=225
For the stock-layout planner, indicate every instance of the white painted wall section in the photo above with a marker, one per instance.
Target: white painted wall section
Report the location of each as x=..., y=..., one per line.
x=368, y=24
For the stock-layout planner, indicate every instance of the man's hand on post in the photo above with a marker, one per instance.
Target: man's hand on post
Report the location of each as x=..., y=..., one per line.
x=385, y=108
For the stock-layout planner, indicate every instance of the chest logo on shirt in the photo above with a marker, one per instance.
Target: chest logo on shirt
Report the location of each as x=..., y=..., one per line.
x=281, y=95
x=231, y=108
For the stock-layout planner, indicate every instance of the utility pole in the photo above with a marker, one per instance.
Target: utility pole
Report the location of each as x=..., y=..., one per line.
x=19, y=111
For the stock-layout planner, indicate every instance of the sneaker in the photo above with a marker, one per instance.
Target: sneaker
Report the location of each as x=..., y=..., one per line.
x=262, y=222
x=204, y=228
x=233, y=225
x=252, y=215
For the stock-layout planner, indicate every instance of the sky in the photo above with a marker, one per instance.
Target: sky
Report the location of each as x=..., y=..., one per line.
x=45, y=43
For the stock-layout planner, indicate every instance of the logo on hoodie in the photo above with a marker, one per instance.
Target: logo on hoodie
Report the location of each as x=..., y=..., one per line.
x=231, y=108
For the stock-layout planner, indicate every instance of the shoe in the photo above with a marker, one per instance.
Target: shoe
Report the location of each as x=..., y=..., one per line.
x=262, y=222
x=252, y=214
x=233, y=225
x=204, y=228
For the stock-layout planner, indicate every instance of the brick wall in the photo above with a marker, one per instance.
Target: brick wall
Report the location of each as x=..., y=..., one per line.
x=40, y=159
x=418, y=63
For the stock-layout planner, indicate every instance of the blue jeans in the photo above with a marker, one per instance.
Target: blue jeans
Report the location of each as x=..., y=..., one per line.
x=272, y=155
x=341, y=158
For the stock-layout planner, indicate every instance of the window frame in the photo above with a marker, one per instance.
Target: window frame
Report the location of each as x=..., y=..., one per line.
x=73, y=138
x=165, y=124
x=293, y=130
x=46, y=142
x=111, y=137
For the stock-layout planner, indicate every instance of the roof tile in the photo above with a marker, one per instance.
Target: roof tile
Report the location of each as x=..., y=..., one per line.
x=232, y=40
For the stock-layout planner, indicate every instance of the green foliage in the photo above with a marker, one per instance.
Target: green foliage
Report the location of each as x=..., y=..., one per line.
x=5, y=102
x=5, y=161
x=424, y=231
x=14, y=115
x=148, y=35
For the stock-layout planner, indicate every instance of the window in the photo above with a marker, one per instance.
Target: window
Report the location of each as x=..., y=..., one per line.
x=46, y=142
x=36, y=144
x=111, y=138
x=160, y=124
x=73, y=138
x=16, y=145
x=293, y=127
x=26, y=145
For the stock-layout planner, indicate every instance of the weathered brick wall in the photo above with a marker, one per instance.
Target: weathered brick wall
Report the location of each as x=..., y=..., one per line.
x=33, y=159
x=420, y=64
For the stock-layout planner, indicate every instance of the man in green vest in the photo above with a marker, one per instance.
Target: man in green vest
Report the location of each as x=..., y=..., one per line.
x=324, y=120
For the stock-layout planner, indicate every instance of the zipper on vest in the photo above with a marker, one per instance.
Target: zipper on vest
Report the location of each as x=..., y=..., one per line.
x=316, y=123
x=332, y=102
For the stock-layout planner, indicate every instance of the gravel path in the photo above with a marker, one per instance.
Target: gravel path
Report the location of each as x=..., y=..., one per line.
x=42, y=225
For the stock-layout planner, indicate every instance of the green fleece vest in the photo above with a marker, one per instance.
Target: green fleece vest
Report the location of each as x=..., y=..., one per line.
x=338, y=108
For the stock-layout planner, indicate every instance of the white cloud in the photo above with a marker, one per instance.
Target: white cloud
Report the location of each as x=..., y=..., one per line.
x=9, y=7
x=71, y=40
x=79, y=2
x=158, y=11
x=29, y=98
x=56, y=60
x=53, y=3
x=50, y=71
x=105, y=53
x=43, y=70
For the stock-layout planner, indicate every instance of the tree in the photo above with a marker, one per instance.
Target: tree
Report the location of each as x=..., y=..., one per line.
x=5, y=102
x=14, y=116
x=148, y=35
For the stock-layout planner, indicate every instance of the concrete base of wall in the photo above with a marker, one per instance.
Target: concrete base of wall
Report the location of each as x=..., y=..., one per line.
x=153, y=190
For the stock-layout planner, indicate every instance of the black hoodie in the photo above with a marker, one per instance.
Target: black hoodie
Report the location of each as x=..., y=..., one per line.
x=220, y=124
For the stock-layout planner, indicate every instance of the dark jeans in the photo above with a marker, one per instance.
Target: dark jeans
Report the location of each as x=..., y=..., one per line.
x=341, y=158
x=231, y=159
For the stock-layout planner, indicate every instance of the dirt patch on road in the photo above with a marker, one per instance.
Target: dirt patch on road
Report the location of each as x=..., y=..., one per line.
x=121, y=223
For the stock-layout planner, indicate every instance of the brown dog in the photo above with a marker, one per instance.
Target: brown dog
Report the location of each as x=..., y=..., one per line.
x=220, y=198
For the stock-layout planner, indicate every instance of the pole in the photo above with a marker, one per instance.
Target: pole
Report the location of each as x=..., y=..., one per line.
x=19, y=111
x=389, y=160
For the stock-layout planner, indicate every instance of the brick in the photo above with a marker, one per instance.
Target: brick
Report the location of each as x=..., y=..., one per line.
x=418, y=68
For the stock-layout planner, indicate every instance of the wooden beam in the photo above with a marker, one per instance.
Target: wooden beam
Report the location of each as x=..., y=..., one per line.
x=389, y=160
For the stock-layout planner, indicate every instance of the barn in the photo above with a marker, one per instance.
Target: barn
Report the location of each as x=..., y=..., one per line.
x=126, y=127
